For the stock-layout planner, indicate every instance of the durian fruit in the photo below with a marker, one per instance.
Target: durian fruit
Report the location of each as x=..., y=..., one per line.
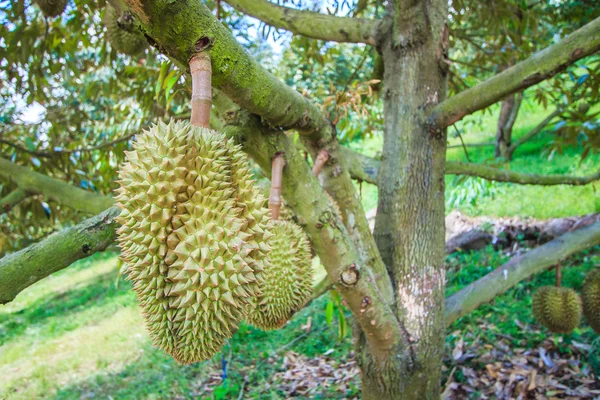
x=130, y=43
x=590, y=294
x=51, y=8
x=288, y=279
x=557, y=308
x=194, y=234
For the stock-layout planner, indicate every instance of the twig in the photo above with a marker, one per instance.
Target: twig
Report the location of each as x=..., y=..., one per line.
x=276, y=181
x=462, y=142
x=201, y=70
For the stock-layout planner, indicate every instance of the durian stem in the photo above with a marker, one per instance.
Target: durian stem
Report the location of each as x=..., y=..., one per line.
x=558, y=276
x=322, y=158
x=276, y=182
x=201, y=71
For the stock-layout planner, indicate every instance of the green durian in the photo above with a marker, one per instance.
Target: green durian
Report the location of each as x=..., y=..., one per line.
x=194, y=234
x=130, y=43
x=288, y=278
x=51, y=8
x=557, y=308
x=590, y=295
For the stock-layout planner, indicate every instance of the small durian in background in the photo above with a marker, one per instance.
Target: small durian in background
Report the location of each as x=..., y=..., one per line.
x=51, y=8
x=194, y=234
x=130, y=43
x=557, y=308
x=590, y=295
x=287, y=280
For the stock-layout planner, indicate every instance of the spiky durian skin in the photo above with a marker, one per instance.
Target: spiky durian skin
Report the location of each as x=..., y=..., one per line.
x=194, y=234
x=287, y=283
x=590, y=295
x=557, y=308
x=51, y=8
x=121, y=40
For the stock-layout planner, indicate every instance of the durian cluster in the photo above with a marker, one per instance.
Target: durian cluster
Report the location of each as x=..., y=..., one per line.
x=51, y=8
x=199, y=243
x=130, y=43
x=560, y=309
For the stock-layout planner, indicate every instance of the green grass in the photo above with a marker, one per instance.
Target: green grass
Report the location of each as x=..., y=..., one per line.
x=79, y=334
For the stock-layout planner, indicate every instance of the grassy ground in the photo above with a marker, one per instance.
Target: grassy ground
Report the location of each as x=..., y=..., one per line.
x=79, y=333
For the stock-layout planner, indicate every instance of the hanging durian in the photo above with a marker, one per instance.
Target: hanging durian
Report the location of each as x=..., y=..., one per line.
x=51, y=8
x=130, y=43
x=287, y=283
x=194, y=230
x=590, y=294
x=557, y=308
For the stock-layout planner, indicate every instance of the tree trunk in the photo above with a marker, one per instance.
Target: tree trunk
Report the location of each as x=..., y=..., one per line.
x=409, y=228
x=506, y=121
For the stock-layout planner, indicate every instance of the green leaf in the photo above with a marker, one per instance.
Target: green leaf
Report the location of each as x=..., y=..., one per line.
x=161, y=77
x=29, y=144
x=329, y=312
x=342, y=328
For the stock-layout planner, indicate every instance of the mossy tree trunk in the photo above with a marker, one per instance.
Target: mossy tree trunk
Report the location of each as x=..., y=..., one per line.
x=409, y=228
x=509, y=110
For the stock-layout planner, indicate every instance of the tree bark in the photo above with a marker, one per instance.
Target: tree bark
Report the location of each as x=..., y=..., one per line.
x=508, y=115
x=409, y=228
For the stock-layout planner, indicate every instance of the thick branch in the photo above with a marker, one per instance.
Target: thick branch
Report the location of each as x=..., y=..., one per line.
x=329, y=237
x=519, y=268
x=23, y=268
x=308, y=23
x=366, y=169
x=35, y=183
x=540, y=66
x=12, y=199
x=181, y=29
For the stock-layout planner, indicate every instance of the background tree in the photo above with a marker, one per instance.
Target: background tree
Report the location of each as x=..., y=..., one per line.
x=94, y=100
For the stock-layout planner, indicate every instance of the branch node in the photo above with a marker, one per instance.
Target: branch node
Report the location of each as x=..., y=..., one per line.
x=349, y=277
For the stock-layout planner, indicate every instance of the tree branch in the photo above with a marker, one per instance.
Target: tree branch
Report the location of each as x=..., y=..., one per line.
x=365, y=168
x=503, y=175
x=49, y=154
x=23, y=268
x=12, y=199
x=351, y=275
x=518, y=268
x=540, y=66
x=308, y=23
x=33, y=182
x=535, y=130
x=235, y=72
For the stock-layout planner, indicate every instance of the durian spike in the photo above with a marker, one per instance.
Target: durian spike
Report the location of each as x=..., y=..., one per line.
x=276, y=181
x=201, y=70
x=322, y=158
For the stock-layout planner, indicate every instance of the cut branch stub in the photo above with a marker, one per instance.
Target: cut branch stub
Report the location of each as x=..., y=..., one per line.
x=200, y=69
x=349, y=276
x=276, y=182
x=320, y=161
